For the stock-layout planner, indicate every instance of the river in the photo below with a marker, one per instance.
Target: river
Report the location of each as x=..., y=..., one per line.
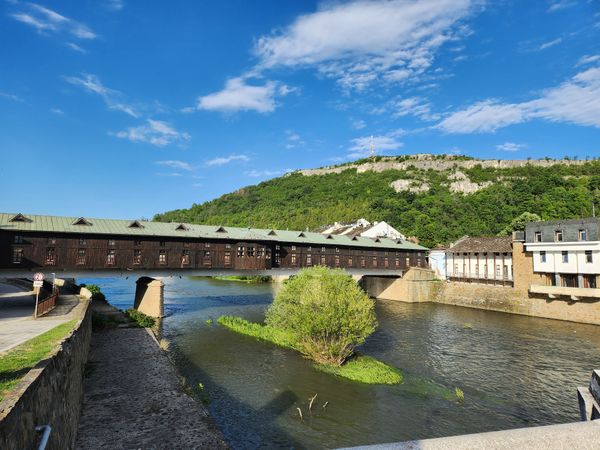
x=515, y=371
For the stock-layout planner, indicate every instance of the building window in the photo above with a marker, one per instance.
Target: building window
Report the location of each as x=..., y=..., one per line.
x=349, y=261
x=227, y=258
x=537, y=236
x=543, y=256
x=323, y=260
x=111, y=242
x=260, y=252
x=322, y=249
x=293, y=248
x=162, y=257
x=51, y=240
x=374, y=261
x=80, y=261
x=588, y=257
x=137, y=243
x=582, y=235
x=558, y=236
x=240, y=252
x=363, y=262
x=251, y=252
x=207, y=253
x=186, y=245
x=309, y=260
x=110, y=257
x=278, y=247
x=397, y=262
x=309, y=249
x=185, y=257
x=82, y=241
x=137, y=257
x=293, y=259
x=337, y=250
x=227, y=245
x=50, y=256
x=589, y=281
x=386, y=263
x=17, y=256
x=565, y=256
x=161, y=243
x=337, y=261
x=408, y=261
x=207, y=244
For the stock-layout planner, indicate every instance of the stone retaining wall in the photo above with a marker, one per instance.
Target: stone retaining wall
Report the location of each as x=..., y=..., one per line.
x=50, y=394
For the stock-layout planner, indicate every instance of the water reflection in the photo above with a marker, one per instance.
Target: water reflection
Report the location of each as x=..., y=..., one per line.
x=514, y=370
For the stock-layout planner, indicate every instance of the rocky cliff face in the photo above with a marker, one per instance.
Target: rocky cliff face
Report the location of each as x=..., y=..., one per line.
x=440, y=163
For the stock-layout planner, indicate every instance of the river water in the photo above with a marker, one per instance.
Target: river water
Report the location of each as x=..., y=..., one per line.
x=514, y=370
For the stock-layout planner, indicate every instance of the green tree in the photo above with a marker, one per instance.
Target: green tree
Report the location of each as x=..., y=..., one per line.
x=518, y=223
x=327, y=313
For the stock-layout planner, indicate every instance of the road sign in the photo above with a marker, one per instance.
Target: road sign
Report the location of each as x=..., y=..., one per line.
x=38, y=283
x=38, y=276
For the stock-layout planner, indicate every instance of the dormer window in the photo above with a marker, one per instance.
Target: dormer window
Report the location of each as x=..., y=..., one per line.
x=272, y=233
x=136, y=224
x=82, y=221
x=19, y=218
x=582, y=235
x=537, y=236
x=181, y=227
x=301, y=234
x=221, y=230
x=558, y=236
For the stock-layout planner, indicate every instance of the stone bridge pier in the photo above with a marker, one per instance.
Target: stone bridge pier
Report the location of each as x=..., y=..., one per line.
x=149, y=296
x=416, y=285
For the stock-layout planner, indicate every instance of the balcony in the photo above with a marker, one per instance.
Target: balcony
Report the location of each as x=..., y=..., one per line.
x=561, y=291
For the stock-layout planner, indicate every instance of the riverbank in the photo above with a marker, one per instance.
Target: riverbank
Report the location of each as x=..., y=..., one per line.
x=133, y=397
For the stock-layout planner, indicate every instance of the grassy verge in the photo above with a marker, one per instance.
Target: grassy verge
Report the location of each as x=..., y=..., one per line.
x=247, y=278
x=362, y=369
x=141, y=319
x=18, y=361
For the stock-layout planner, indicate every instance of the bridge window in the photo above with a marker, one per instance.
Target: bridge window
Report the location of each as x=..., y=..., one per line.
x=206, y=253
x=240, y=252
x=110, y=257
x=17, y=255
x=293, y=259
x=137, y=243
x=137, y=257
x=80, y=260
x=111, y=242
x=588, y=257
x=161, y=244
x=386, y=263
x=227, y=258
x=228, y=245
x=18, y=239
x=51, y=240
x=185, y=257
x=337, y=261
x=397, y=262
x=50, y=256
x=250, y=252
x=207, y=245
x=374, y=261
x=82, y=241
x=322, y=249
x=309, y=260
x=363, y=263
x=350, y=261
x=293, y=248
x=162, y=257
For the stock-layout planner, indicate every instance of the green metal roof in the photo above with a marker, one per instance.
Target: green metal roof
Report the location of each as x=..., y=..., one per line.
x=59, y=224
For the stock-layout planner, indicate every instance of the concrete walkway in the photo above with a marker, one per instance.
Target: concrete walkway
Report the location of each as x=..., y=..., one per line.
x=133, y=398
x=17, y=324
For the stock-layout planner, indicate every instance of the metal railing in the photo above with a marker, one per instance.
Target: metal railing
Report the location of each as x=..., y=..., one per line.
x=45, y=430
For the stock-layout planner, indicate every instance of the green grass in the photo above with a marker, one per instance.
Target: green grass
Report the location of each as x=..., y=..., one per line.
x=141, y=319
x=362, y=369
x=21, y=359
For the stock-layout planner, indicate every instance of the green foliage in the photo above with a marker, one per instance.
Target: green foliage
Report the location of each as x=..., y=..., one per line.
x=21, y=359
x=327, y=313
x=518, y=223
x=460, y=395
x=437, y=216
x=365, y=369
x=247, y=278
x=96, y=292
x=362, y=369
x=258, y=331
x=140, y=318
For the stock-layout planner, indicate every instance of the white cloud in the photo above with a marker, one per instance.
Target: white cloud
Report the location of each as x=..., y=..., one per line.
x=173, y=164
x=361, y=147
x=560, y=4
x=240, y=96
x=588, y=59
x=92, y=83
x=264, y=173
x=47, y=21
x=549, y=44
x=76, y=47
x=510, y=147
x=57, y=111
x=575, y=101
x=154, y=132
x=293, y=140
x=359, y=42
x=169, y=174
x=14, y=98
x=222, y=160
x=114, y=5
x=415, y=106
x=359, y=124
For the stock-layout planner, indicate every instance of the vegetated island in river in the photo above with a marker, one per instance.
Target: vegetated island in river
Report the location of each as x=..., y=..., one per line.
x=323, y=314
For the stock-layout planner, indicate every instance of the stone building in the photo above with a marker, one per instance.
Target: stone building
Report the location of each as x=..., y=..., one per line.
x=481, y=260
x=565, y=256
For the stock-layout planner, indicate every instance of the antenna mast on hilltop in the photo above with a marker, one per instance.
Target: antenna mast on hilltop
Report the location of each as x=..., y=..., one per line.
x=372, y=149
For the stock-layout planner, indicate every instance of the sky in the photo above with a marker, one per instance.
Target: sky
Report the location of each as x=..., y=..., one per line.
x=123, y=109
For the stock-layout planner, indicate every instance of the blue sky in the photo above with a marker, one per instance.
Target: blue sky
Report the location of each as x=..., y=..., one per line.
x=116, y=108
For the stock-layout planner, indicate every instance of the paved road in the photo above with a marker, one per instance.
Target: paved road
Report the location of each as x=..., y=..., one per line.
x=17, y=324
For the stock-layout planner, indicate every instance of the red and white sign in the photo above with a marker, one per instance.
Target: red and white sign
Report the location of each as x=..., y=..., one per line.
x=38, y=277
x=38, y=284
